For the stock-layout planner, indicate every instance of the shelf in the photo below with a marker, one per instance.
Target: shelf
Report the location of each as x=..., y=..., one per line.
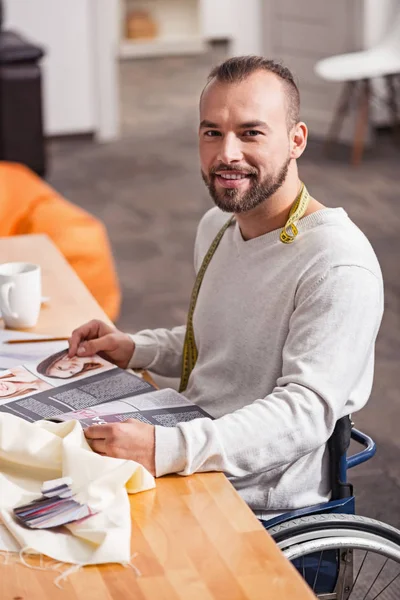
x=162, y=46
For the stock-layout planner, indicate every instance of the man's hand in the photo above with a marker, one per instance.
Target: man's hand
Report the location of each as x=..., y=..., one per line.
x=96, y=337
x=131, y=440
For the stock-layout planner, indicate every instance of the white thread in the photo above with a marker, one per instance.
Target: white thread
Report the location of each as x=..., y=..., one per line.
x=22, y=559
x=50, y=567
x=133, y=567
x=56, y=566
x=65, y=574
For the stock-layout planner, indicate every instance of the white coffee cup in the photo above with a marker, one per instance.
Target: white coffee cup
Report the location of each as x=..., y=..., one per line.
x=20, y=294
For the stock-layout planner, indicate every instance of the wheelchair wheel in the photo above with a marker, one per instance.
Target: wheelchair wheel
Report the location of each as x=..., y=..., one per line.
x=343, y=557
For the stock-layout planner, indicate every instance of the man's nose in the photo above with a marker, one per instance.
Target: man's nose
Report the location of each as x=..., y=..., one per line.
x=230, y=149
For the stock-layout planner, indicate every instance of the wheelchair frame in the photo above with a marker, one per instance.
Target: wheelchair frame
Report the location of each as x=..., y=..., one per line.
x=342, y=498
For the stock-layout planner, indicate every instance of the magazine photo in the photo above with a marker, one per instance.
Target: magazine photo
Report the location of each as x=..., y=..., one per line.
x=90, y=390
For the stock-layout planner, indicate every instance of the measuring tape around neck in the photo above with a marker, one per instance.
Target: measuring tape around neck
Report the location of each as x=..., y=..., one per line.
x=189, y=356
x=298, y=210
x=287, y=236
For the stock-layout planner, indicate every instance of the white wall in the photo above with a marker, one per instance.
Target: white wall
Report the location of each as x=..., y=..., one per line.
x=79, y=70
x=63, y=29
x=377, y=22
x=248, y=32
x=106, y=39
x=217, y=19
x=378, y=18
x=238, y=20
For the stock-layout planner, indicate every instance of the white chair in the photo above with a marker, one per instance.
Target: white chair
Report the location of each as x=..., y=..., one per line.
x=357, y=69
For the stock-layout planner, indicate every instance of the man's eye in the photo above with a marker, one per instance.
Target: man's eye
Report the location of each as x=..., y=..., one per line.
x=211, y=133
x=251, y=133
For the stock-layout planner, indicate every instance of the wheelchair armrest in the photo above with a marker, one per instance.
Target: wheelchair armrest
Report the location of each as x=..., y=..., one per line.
x=364, y=455
x=338, y=445
x=342, y=506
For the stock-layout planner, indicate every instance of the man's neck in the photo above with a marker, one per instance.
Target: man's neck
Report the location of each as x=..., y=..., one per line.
x=274, y=212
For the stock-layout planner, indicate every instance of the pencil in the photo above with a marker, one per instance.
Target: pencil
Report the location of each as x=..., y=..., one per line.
x=36, y=340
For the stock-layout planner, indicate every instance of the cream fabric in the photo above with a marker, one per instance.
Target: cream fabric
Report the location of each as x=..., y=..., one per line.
x=33, y=453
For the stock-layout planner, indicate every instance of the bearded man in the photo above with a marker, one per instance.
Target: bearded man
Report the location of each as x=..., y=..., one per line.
x=279, y=343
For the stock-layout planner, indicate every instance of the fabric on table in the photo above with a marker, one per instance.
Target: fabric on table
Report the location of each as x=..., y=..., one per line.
x=31, y=453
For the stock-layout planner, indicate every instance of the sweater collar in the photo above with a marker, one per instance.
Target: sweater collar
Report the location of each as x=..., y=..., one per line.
x=320, y=217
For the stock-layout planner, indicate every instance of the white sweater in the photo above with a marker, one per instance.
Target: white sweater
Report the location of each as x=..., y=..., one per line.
x=285, y=335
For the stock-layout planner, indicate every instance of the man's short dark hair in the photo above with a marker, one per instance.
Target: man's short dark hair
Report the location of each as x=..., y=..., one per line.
x=238, y=68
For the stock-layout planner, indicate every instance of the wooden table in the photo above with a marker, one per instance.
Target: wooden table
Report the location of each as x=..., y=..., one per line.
x=194, y=536
x=70, y=303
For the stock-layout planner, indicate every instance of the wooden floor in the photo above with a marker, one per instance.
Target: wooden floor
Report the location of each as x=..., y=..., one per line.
x=147, y=189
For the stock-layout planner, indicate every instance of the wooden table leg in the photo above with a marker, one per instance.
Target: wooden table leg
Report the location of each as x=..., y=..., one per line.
x=339, y=115
x=361, y=123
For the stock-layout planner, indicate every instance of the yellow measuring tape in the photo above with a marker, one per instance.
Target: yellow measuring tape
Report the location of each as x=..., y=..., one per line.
x=189, y=357
x=299, y=207
x=287, y=236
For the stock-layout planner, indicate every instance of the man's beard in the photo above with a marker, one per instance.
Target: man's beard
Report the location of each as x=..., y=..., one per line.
x=232, y=201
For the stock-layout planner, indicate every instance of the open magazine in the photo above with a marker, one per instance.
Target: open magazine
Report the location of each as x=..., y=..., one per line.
x=89, y=389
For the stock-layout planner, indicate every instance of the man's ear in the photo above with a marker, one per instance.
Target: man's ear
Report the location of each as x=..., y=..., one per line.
x=298, y=139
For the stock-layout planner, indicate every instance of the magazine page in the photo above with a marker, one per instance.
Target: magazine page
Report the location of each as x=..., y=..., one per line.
x=57, y=384
x=162, y=407
x=19, y=382
x=90, y=389
x=58, y=368
x=15, y=354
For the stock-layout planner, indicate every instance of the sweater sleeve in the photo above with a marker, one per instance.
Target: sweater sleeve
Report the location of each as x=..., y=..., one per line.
x=330, y=343
x=159, y=350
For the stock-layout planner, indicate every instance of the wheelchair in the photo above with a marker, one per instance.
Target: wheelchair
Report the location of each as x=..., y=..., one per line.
x=342, y=556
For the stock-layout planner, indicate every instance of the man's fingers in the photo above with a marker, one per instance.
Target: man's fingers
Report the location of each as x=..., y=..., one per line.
x=100, y=438
x=74, y=342
x=87, y=331
x=97, y=432
x=90, y=347
x=98, y=446
x=107, y=343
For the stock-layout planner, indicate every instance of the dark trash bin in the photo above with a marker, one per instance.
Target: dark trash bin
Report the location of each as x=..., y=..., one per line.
x=21, y=119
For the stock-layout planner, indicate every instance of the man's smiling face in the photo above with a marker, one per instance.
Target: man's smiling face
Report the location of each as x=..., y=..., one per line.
x=244, y=140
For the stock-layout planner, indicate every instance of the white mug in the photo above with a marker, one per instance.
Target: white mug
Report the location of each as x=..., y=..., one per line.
x=20, y=294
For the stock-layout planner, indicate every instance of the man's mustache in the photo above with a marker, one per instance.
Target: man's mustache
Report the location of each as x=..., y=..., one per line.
x=238, y=168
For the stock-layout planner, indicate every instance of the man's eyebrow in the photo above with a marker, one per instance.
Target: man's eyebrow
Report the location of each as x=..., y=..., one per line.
x=248, y=125
x=251, y=124
x=209, y=124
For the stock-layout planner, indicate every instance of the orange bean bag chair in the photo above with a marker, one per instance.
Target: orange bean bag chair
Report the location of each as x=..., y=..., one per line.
x=29, y=205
